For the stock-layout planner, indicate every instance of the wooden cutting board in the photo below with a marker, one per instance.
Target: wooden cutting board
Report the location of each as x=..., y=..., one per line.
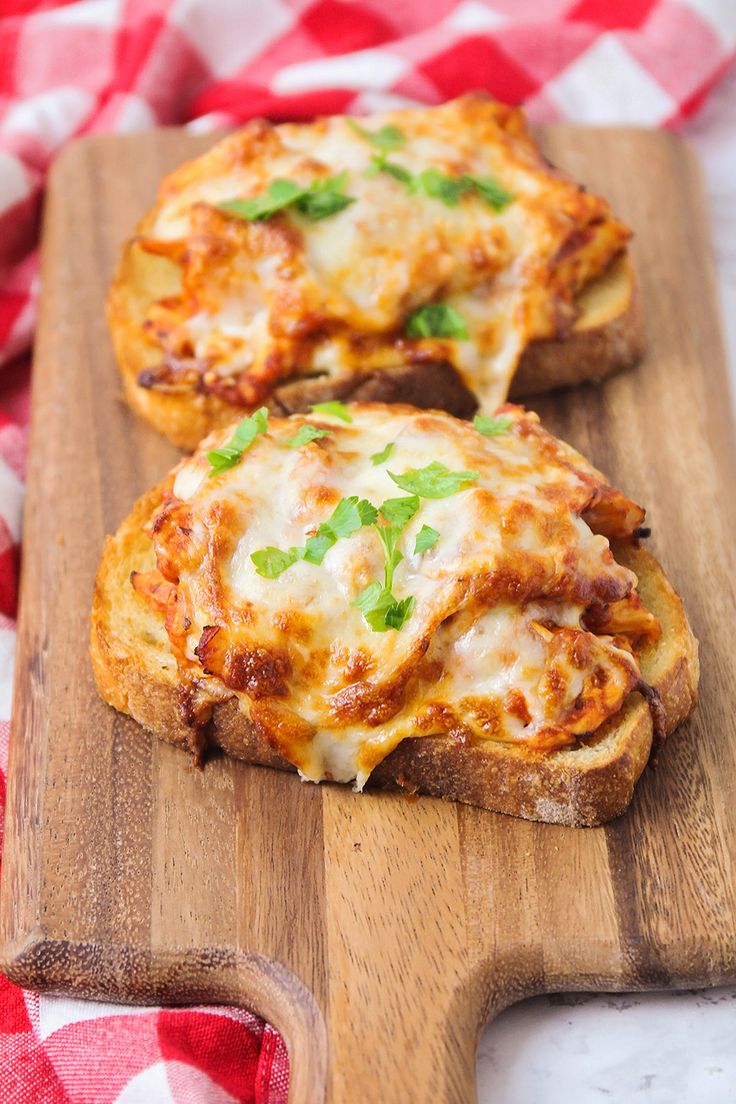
x=377, y=933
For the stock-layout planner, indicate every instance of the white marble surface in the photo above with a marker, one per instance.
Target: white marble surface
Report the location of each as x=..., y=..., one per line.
x=652, y=1048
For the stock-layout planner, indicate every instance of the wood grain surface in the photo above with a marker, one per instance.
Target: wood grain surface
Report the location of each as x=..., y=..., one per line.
x=378, y=933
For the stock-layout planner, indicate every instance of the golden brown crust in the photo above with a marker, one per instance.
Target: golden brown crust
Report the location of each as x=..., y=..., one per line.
x=582, y=786
x=608, y=337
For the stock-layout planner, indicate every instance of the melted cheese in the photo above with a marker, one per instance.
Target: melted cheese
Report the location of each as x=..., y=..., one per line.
x=262, y=302
x=496, y=647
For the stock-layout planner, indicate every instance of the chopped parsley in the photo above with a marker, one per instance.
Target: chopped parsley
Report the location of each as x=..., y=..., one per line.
x=492, y=427
x=380, y=163
x=383, y=455
x=434, y=481
x=427, y=537
x=334, y=409
x=381, y=610
x=245, y=434
x=387, y=138
x=316, y=547
x=272, y=562
x=448, y=189
x=305, y=434
x=436, y=320
x=399, y=511
x=349, y=515
x=438, y=185
x=315, y=201
x=380, y=607
x=491, y=190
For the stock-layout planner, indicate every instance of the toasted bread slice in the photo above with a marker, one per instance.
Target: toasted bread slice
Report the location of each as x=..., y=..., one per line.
x=585, y=785
x=215, y=308
x=607, y=337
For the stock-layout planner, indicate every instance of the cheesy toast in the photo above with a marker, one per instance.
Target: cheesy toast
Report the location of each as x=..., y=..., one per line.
x=429, y=255
x=378, y=594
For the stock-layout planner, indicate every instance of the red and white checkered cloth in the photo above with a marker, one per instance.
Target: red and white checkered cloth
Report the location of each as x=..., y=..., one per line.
x=74, y=68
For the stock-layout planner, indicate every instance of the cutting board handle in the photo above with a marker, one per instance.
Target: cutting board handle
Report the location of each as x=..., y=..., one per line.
x=392, y=1044
x=407, y=989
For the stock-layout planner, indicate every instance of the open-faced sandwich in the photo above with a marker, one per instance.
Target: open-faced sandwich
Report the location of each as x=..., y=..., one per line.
x=424, y=255
x=381, y=594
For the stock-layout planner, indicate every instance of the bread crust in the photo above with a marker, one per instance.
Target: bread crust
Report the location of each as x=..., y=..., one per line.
x=583, y=786
x=603, y=342
x=607, y=337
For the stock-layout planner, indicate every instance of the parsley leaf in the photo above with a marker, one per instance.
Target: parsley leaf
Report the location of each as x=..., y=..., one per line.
x=279, y=194
x=272, y=562
x=434, y=481
x=399, y=511
x=377, y=603
x=317, y=200
x=245, y=434
x=381, y=164
x=350, y=515
x=373, y=603
x=386, y=138
x=381, y=610
x=388, y=536
x=436, y=320
x=305, y=434
x=427, y=537
x=399, y=612
x=316, y=547
x=334, y=409
x=438, y=185
x=492, y=427
x=379, y=457
x=325, y=197
x=491, y=190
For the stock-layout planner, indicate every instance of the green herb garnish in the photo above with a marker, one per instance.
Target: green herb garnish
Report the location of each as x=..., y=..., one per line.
x=380, y=163
x=381, y=609
x=436, y=320
x=325, y=197
x=492, y=427
x=380, y=457
x=349, y=515
x=438, y=185
x=387, y=138
x=399, y=612
x=491, y=190
x=399, y=511
x=434, y=481
x=272, y=562
x=305, y=434
x=278, y=195
x=427, y=537
x=316, y=200
x=334, y=409
x=316, y=547
x=245, y=434
x=377, y=602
